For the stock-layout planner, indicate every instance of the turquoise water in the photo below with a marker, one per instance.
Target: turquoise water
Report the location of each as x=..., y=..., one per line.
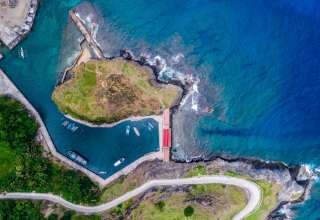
x=257, y=62
x=36, y=76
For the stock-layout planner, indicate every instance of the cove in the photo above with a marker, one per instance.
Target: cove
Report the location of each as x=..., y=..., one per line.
x=36, y=76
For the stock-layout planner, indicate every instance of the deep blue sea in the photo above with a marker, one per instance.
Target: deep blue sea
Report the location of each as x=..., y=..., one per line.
x=256, y=63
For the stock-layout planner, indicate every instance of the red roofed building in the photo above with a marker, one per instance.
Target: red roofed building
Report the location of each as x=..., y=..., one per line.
x=166, y=135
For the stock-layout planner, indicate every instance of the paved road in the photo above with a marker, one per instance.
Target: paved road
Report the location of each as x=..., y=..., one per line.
x=254, y=194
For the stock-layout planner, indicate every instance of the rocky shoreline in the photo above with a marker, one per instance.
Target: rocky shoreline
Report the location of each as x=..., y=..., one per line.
x=294, y=179
x=142, y=61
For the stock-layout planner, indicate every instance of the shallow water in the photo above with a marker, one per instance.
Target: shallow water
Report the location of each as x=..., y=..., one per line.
x=258, y=63
x=36, y=76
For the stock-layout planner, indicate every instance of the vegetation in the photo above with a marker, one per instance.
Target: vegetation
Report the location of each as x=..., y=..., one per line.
x=199, y=170
x=111, y=90
x=185, y=205
x=15, y=210
x=269, y=191
x=23, y=168
x=269, y=201
x=188, y=211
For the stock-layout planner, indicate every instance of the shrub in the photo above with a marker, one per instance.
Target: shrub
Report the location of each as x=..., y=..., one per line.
x=160, y=205
x=188, y=211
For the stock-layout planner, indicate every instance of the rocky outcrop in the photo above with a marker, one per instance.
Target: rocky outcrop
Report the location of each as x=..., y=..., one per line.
x=295, y=181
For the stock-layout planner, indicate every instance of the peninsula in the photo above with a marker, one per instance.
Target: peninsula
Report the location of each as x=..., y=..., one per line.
x=111, y=90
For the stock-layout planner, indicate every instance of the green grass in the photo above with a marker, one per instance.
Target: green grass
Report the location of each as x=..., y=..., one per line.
x=199, y=170
x=111, y=90
x=228, y=202
x=269, y=201
x=118, y=188
x=269, y=191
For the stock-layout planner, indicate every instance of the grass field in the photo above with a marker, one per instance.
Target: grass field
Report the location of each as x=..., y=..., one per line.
x=225, y=201
x=269, y=191
x=111, y=90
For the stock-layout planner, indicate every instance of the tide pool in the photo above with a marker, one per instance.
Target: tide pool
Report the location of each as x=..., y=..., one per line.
x=257, y=62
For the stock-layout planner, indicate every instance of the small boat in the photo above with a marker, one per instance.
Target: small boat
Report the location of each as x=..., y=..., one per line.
x=70, y=126
x=21, y=53
x=150, y=126
x=103, y=172
x=118, y=162
x=74, y=127
x=127, y=130
x=65, y=123
x=136, y=131
x=75, y=156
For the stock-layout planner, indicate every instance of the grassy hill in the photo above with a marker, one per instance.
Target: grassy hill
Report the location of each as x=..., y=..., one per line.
x=107, y=91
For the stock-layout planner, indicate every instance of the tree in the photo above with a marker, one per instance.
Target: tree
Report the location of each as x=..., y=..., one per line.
x=188, y=211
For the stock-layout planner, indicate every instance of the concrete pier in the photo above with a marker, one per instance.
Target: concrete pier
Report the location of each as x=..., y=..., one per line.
x=87, y=35
x=166, y=136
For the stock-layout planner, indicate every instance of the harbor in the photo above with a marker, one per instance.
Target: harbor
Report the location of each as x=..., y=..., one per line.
x=76, y=160
x=76, y=156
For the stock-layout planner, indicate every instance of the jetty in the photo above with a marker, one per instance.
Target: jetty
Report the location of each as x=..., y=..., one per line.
x=86, y=33
x=166, y=136
x=16, y=20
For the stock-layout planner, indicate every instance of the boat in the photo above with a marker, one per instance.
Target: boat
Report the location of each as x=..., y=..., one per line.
x=70, y=126
x=102, y=172
x=136, y=131
x=118, y=162
x=127, y=130
x=21, y=53
x=75, y=156
x=74, y=127
x=65, y=123
x=150, y=125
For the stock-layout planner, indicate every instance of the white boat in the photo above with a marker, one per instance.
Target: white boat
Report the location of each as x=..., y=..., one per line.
x=150, y=126
x=75, y=156
x=127, y=130
x=21, y=53
x=118, y=162
x=103, y=172
x=65, y=123
x=74, y=127
x=136, y=131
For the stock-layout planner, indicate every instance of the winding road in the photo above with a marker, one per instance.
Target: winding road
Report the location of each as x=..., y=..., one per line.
x=253, y=190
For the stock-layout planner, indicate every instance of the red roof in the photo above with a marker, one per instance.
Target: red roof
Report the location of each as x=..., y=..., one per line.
x=166, y=137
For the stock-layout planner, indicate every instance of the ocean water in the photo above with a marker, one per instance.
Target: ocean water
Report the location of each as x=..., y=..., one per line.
x=36, y=76
x=256, y=64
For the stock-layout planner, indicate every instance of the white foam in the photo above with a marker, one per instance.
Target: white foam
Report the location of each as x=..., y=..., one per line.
x=177, y=58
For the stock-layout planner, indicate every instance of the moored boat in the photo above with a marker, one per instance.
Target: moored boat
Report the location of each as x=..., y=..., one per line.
x=136, y=131
x=75, y=156
x=127, y=130
x=118, y=162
